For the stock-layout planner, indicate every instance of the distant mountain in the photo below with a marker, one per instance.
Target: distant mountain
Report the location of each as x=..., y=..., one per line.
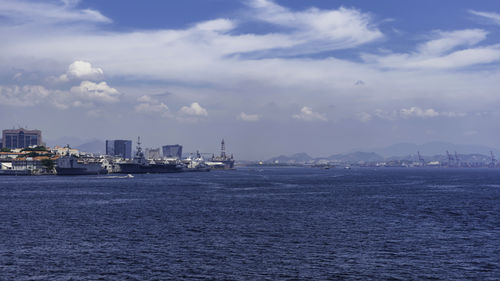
x=435, y=151
x=356, y=157
x=95, y=146
x=443, y=158
x=432, y=148
x=295, y=158
x=63, y=141
x=85, y=145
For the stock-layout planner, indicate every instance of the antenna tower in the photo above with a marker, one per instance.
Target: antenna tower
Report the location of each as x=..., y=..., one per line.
x=222, y=149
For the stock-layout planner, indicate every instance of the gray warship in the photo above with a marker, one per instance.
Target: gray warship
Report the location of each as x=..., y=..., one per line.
x=70, y=165
x=139, y=165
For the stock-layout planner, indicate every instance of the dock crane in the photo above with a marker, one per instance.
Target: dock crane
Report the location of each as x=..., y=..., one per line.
x=450, y=158
x=493, y=160
x=457, y=160
x=420, y=159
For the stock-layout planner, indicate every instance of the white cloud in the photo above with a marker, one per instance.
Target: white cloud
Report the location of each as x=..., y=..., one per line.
x=428, y=113
x=98, y=92
x=219, y=25
x=206, y=62
x=328, y=29
x=248, y=117
x=442, y=52
x=194, y=109
x=36, y=13
x=29, y=95
x=407, y=113
x=491, y=16
x=81, y=69
x=34, y=95
x=307, y=114
x=447, y=41
x=150, y=105
x=364, y=117
x=418, y=112
x=452, y=114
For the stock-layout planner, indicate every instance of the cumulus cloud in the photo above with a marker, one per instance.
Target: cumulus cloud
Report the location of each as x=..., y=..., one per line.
x=97, y=92
x=307, y=114
x=152, y=106
x=213, y=60
x=364, y=116
x=194, y=109
x=418, y=112
x=408, y=113
x=34, y=95
x=28, y=95
x=81, y=70
x=248, y=117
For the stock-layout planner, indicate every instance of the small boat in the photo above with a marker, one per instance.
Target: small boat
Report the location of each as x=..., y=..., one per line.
x=129, y=176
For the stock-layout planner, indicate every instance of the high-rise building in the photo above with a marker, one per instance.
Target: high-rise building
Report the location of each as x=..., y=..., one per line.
x=21, y=138
x=153, y=153
x=121, y=148
x=172, y=151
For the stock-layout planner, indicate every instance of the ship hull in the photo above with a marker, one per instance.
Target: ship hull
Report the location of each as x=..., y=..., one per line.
x=132, y=168
x=15, y=172
x=79, y=171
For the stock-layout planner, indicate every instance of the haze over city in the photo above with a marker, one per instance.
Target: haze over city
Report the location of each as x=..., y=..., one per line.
x=270, y=77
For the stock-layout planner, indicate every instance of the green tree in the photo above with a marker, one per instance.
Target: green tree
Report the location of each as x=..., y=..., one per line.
x=5, y=149
x=38, y=148
x=48, y=163
x=32, y=154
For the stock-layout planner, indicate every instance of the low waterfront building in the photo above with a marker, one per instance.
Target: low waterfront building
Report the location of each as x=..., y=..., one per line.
x=58, y=150
x=10, y=155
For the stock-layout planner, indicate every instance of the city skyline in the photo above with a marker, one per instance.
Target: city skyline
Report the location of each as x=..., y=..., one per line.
x=270, y=77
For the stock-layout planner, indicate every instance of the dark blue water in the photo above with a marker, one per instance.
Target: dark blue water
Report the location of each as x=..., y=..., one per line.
x=286, y=223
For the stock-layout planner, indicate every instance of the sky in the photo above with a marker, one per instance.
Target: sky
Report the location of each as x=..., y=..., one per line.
x=270, y=77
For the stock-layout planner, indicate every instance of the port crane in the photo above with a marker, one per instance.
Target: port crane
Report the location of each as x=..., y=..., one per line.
x=420, y=159
x=450, y=158
x=457, y=160
x=493, y=160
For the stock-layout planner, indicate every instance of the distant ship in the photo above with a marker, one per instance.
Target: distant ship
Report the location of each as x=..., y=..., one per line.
x=70, y=165
x=195, y=164
x=140, y=165
x=223, y=161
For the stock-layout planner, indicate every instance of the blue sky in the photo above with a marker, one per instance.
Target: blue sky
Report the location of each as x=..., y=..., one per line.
x=271, y=77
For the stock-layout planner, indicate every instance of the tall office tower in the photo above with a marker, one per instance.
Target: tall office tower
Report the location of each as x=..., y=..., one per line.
x=121, y=148
x=172, y=151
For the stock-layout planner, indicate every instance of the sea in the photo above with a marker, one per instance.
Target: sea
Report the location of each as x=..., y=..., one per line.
x=261, y=223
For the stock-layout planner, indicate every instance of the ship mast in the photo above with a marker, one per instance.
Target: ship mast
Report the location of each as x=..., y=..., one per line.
x=139, y=156
x=138, y=147
x=222, y=149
